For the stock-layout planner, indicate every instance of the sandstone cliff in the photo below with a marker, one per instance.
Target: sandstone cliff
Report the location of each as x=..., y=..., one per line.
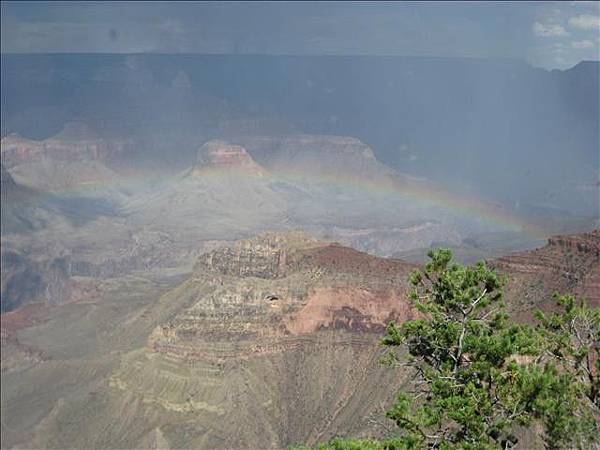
x=315, y=155
x=263, y=292
x=279, y=335
x=75, y=142
x=567, y=264
x=221, y=155
x=274, y=336
x=75, y=158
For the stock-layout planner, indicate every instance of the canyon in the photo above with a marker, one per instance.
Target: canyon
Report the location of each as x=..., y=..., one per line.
x=276, y=335
x=424, y=116
x=103, y=215
x=203, y=251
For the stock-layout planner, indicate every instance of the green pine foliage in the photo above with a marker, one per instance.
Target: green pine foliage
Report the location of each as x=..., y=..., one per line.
x=464, y=353
x=480, y=380
x=362, y=444
x=571, y=339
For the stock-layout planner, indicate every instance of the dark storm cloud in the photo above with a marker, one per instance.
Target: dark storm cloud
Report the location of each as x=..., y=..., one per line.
x=544, y=33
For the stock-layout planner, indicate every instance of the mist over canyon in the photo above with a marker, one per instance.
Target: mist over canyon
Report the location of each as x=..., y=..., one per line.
x=195, y=244
x=448, y=119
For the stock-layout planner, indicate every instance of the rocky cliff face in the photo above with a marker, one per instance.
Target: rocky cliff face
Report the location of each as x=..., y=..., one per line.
x=221, y=155
x=267, y=256
x=280, y=333
x=261, y=294
x=75, y=158
x=567, y=264
x=315, y=155
x=264, y=293
x=75, y=142
x=282, y=319
x=275, y=336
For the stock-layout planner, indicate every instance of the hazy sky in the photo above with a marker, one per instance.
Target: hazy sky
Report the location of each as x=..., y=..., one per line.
x=547, y=34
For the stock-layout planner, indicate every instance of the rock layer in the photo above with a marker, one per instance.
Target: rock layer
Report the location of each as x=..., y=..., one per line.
x=315, y=155
x=75, y=142
x=221, y=155
x=258, y=295
x=279, y=334
x=567, y=264
x=275, y=337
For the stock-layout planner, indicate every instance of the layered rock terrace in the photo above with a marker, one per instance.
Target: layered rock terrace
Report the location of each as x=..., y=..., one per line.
x=75, y=142
x=273, y=292
x=223, y=156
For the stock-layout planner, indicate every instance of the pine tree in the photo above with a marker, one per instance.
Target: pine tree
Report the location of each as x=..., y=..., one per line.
x=482, y=382
x=479, y=377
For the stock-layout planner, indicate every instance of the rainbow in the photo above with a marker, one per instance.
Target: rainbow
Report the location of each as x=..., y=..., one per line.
x=425, y=195
x=410, y=189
